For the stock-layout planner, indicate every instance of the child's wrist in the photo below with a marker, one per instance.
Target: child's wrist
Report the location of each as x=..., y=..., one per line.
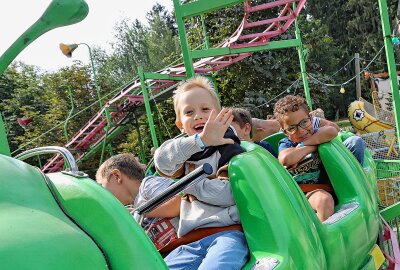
x=199, y=141
x=300, y=145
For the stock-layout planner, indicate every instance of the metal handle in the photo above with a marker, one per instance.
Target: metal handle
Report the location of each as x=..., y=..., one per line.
x=68, y=157
x=187, y=181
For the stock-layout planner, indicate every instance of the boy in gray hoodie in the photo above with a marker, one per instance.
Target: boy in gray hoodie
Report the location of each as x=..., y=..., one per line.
x=209, y=203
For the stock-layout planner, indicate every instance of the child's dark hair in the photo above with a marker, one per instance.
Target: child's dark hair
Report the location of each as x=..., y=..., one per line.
x=241, y=116
x=289, y=103
x=126, y=163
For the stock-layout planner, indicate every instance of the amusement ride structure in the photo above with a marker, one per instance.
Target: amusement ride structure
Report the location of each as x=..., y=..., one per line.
x=58, y=218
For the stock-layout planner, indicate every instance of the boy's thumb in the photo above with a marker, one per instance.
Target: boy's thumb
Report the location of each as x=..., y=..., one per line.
x=228, y=141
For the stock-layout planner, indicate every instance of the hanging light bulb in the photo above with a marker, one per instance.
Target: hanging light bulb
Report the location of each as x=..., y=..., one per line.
x=342, y=90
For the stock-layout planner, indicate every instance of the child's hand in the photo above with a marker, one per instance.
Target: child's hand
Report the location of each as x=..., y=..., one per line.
x=215, y=128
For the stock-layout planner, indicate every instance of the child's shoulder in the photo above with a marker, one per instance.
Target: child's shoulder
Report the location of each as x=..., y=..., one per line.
x=156, y=182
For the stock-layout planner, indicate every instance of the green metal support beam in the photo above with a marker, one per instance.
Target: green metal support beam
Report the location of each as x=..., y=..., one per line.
x=158, y=76
x=383, y=8
x=147, y=106
x=203, y=6
x=4, y=148
x=391, y=212
x=71, y=111
x=203, y=23
x=274, y=45
x=186, y=52
x=303, y=65
x=142, y=155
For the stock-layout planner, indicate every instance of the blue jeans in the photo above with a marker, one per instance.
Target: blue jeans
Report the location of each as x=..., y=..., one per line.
x=356, y=145
x=224, y=250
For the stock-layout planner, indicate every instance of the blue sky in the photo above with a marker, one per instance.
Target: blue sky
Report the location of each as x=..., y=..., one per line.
x=95, y=29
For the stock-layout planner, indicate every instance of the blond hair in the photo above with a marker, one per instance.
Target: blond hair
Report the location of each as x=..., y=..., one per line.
x=196, y=81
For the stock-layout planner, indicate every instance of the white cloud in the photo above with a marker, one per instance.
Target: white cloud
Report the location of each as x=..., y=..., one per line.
x=96, y=29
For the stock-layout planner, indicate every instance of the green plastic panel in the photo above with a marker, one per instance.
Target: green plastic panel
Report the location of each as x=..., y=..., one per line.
x=348, y=241
x=35, y=233
x=275, y=215
x=106, y=220
x=279, y=223
x=274, y=140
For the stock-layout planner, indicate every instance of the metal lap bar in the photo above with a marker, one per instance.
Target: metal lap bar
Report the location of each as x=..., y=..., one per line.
x=187, y=181
x=67, y=156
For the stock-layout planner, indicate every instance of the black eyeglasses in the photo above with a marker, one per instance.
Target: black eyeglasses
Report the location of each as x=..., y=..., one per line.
x=305, y=123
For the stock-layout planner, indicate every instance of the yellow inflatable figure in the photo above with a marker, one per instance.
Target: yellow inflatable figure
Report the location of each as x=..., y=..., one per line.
x=363, y=121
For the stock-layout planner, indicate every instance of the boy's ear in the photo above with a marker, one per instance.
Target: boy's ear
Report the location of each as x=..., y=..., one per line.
x=247, y=129
x=118, y=175
x=178, y=124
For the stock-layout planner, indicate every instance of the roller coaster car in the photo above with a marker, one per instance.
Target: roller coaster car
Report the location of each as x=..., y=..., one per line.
x=58, y=221
x=282, y=229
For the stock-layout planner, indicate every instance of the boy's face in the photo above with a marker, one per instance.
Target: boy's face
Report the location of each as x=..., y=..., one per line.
x=194, y=107
x=123, y=188
x=297, y=125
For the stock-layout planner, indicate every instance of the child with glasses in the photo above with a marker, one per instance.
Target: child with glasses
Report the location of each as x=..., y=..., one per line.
x=302, y=143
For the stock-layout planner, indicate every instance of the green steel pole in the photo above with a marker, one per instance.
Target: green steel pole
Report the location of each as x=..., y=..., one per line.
x=96, y=83
x=94, y=74
x=4, y=148
x=158, y=127
x=39, y=161
x=147, y=106
x=142, y=154
x=71, y=99
x=383, y=9
x=6, y=127
x=100, y=100
x=303, y=65
x=187, y=58
x=203, y=23
x=103, y=148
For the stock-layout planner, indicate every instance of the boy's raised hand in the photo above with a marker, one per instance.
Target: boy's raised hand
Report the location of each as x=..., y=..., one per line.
x=215, y=128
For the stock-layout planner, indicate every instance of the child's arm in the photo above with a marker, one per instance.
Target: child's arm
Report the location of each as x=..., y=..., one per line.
x=324, y=123
x=172, y=154
x=213, y=191
x=324, y=134
x=291, y=156
x=263, y=128
x=168, y=209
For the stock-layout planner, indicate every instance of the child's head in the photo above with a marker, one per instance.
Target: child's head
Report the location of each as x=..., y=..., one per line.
x=293, y=115
x=318, y=113
x=242, y=123
x=121, y=175
x=193, y=102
